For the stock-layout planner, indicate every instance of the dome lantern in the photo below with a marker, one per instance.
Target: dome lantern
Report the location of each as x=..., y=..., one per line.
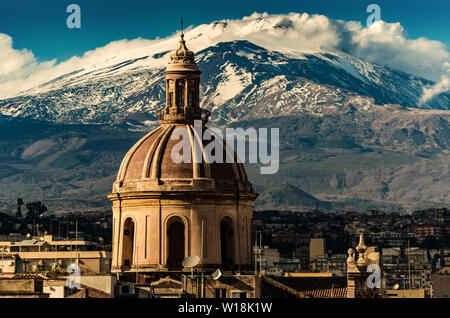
x=182, y=88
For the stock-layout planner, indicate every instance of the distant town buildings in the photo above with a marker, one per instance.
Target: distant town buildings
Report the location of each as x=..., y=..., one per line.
x=43, y=254
x=316, y=248
x=436, y=230
x=413, y=248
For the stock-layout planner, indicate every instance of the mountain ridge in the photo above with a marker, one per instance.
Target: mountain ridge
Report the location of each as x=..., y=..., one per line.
x=236, y=76
x=351, y=132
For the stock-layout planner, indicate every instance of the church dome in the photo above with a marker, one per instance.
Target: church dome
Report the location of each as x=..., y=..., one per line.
x=148, y=165
x=179, y=193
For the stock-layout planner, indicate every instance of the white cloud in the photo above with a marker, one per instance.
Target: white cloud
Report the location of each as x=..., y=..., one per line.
x=387, y=44
x=443, y=85
x=16, y=64
x=20, y=71
x=12, y=60
x=382, y=43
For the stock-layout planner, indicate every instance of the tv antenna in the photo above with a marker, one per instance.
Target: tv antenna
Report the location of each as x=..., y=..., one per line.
x=191, y=262
x=217, y=274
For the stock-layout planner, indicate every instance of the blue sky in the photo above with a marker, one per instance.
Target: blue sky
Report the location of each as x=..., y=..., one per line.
x=40, y=26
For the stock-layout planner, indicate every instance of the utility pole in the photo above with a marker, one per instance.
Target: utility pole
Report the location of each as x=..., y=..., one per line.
x=260, y=252
x=3, y=250
x=255, y=250
x=76, y=234
x=409, y=265
x=202, y=290
x=203, y=231
x=409, y=259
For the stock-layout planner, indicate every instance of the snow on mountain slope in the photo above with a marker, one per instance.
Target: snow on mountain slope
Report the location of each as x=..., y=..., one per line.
x=266, y=76
x=239, y=80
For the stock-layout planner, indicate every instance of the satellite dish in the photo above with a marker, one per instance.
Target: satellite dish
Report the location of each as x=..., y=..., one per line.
x=396, y=286
x=216, y=275
x=190, y=261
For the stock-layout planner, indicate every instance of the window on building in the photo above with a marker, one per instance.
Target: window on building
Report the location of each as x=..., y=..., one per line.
x=191, y=99
x=180, y=95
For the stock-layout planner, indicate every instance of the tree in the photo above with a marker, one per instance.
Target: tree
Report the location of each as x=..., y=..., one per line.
x=35, y=209
x=19, y=208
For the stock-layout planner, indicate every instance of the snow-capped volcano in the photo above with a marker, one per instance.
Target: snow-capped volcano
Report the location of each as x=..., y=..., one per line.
x=346, y=98
x=259, y=66
x=240, y=80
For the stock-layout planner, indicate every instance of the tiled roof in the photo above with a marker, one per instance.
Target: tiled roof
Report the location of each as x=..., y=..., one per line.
x=89, y=292
x=166, y=282
x=30, y=276
x=79, y=294
x=316, y=287
x=274, y=289
x=94, y=293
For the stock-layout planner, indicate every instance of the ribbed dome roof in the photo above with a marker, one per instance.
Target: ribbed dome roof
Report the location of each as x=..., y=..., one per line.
x=148, y=165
